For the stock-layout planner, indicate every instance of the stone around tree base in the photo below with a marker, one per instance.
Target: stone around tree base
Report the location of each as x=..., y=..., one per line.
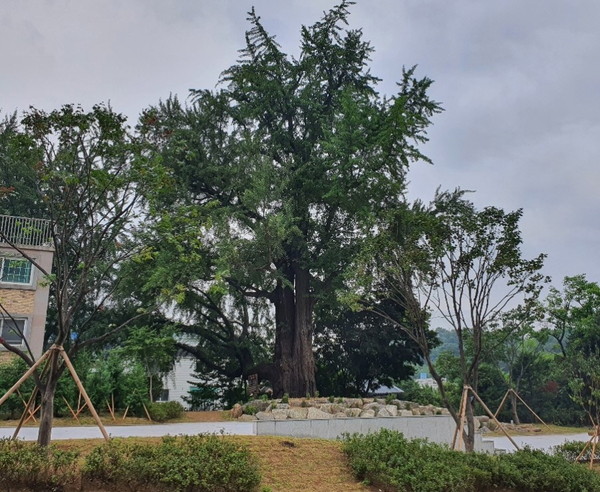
x=315, y=413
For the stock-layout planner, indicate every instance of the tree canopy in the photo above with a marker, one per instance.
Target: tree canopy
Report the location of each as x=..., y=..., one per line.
x=291, y=164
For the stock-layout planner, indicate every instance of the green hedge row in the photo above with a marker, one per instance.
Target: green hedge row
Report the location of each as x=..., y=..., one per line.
x=29, y=466
x=203, y=463
x=390, y=461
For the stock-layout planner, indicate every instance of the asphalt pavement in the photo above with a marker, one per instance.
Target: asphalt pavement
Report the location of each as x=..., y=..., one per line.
x=154, y=430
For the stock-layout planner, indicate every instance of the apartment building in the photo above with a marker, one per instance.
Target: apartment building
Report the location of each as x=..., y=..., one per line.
x=23, y=292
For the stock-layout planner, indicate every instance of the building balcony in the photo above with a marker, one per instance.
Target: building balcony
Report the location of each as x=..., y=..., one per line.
x=25, y=232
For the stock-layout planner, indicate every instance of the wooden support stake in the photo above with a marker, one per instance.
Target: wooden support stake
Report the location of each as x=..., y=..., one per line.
x=529, y=408
x=147, y=414
x=83, y=392
x=110, y=410
x=71, y=409
x=489, y=412
x=35, y=410
x=461, y=416
x=125, y=414
x=22, y=420
x=502, y=402
x=27, y=405
x=24, y=377
x=592, y=456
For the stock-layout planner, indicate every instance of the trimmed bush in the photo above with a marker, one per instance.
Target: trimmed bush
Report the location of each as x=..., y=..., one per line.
x=187, y=463
x=393, y=463
x=163, y=411
x=570, y=450
x=27, y=465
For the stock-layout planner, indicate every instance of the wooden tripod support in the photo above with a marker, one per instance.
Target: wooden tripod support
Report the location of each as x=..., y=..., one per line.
x=593, y=442
x=459, y=431
x=508, y=392
x=59, y=351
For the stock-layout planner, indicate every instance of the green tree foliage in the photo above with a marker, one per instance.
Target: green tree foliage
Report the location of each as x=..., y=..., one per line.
x=154, y=351
x=293, y=162
x=457, y=262
x=18, y=195
x=87, y=167
x=573, y=320
x=356, y=352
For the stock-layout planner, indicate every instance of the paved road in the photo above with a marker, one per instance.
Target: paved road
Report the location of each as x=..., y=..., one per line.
x=545, y=442
x=156, y=430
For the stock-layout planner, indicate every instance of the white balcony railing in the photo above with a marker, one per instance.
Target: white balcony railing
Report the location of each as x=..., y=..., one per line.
x=24, y=231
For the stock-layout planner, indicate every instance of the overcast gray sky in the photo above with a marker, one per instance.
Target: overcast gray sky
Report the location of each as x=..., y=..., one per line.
x=519, y=81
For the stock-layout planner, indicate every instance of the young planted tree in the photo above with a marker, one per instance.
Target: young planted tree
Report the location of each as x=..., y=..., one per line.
x=297, y=160
x=86, y=167
x=460, y=264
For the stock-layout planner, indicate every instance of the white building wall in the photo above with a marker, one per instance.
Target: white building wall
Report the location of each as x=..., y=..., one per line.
x=178, y=381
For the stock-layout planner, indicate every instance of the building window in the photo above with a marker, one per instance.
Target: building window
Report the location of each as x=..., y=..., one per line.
x=15, y=271
x=12, y=330
x=163, y=396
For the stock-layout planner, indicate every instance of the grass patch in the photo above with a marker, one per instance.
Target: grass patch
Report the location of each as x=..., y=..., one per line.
x=285, y=464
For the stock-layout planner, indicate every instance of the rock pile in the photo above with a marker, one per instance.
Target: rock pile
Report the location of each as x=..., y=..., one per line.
x=323, y=408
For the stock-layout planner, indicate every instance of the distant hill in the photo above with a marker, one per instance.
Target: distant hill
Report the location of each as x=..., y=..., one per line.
x=448, y=343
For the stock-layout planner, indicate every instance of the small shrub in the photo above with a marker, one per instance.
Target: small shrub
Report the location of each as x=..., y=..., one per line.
x=331, y=399
x=27, y=465
x=200, y=463
x=389, y=398
x=163, y=411
x=286, y=398
x=570, y=450
x=250, y=410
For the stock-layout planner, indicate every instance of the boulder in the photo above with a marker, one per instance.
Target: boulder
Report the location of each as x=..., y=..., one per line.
x=399, y=404
x=340, y=415
x=373, y=406
x=352, y=412
x=282, y=406
x=297, y=413
x=236, y=411
x=353, y=402
x=265, y=416
x=315, y=413
x=260, y=405
x=279, y=413
x=383, y=412
x=367, y=414
x=247, y=418
x=392, y=409
x=405, y=413
x=331, y=408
